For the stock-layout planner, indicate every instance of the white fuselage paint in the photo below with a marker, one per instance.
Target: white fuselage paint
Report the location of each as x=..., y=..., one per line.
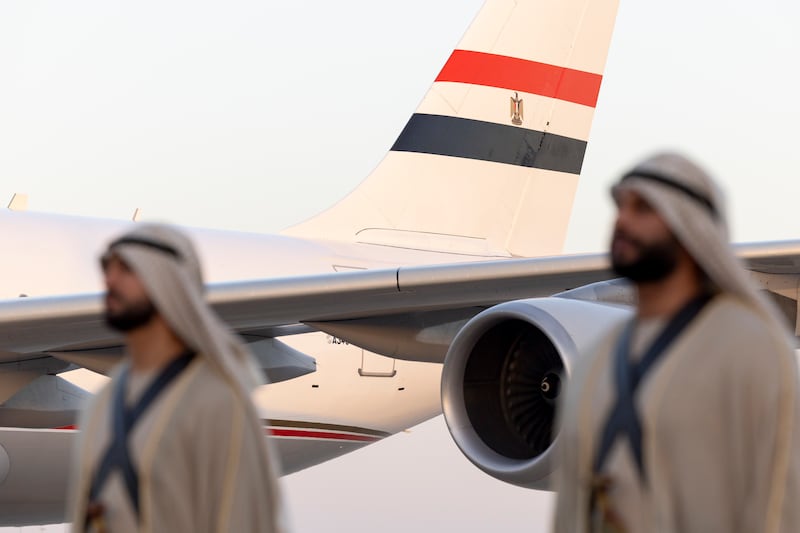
x=331, y=411
x=466, y=208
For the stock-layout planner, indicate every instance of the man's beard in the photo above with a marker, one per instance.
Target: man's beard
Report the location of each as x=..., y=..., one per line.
x=655, y=261
x=131, y=317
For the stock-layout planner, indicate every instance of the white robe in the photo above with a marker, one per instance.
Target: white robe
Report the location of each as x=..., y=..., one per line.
x=201, y=460
x=720, y=413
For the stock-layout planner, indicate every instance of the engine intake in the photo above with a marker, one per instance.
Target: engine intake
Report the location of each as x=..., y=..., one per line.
x=502, y=378
x=510, y=401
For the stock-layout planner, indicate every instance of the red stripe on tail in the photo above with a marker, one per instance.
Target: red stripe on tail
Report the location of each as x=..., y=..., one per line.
x=478, y=68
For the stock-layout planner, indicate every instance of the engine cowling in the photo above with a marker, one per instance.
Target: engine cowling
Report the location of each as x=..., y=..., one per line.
x=502, y=377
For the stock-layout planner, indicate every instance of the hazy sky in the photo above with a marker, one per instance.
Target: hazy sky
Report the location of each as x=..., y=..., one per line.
x=254, y=115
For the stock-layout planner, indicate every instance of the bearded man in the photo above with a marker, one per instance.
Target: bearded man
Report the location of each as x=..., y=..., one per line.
x=686, y=418
x=173, y=442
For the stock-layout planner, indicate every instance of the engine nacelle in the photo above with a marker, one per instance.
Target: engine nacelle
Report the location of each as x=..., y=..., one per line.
x=502, y=377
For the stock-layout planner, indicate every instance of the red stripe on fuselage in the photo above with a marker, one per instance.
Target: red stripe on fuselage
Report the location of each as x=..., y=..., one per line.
x=306, y=434
x=478, y=68
x=302, y=433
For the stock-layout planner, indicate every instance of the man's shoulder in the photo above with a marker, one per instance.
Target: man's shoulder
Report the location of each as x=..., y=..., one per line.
x=738, y=318
x=209, y=392
x=734, y=326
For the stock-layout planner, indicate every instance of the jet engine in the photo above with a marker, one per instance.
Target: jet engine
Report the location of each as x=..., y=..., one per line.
x=503, y=374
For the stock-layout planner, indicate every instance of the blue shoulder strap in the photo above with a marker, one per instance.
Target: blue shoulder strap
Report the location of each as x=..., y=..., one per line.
x=623, y=419
x=117, y=455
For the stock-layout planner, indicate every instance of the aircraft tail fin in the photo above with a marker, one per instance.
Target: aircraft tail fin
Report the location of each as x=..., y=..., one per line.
x=488, y=164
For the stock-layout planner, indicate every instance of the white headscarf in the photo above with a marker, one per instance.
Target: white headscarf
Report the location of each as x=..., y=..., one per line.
x=166, y=262
x=693, y=207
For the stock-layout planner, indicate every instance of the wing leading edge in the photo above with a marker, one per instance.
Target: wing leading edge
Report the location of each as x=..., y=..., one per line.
x=71, y=327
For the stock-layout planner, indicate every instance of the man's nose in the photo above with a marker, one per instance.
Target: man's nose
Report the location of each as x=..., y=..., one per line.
x=110, y=276
x=619, y=222
x=624, y=218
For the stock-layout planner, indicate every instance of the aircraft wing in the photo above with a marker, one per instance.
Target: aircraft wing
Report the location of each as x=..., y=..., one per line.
x=71, y=327
x=36, y=325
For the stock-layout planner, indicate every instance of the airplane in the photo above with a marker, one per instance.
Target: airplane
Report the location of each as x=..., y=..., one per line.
x=278, y=290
